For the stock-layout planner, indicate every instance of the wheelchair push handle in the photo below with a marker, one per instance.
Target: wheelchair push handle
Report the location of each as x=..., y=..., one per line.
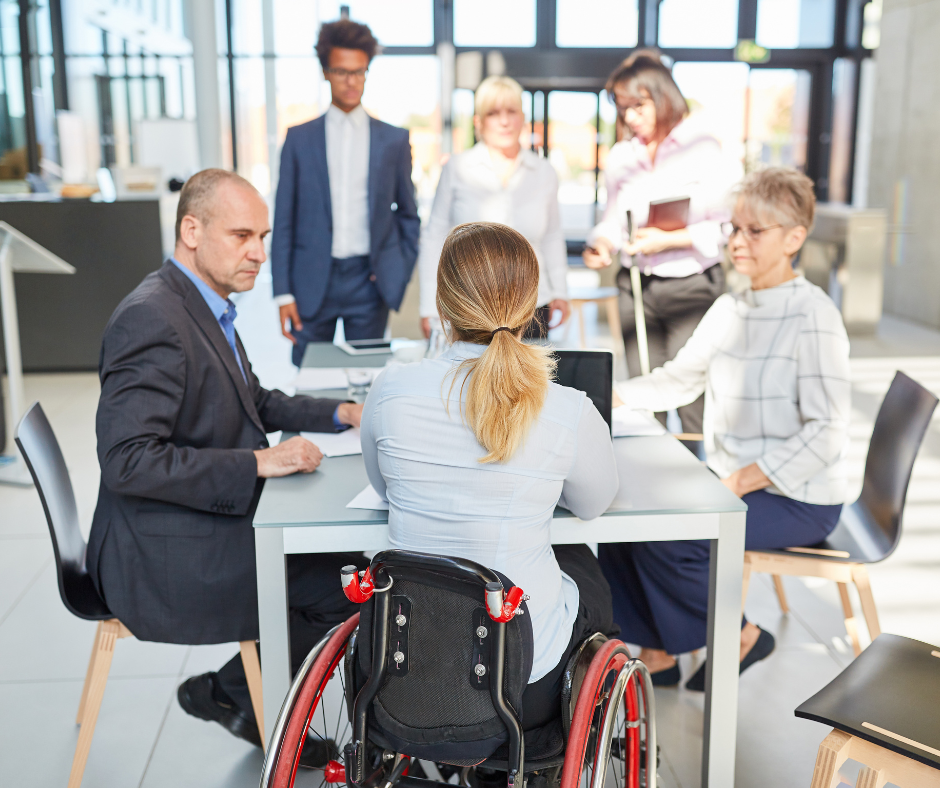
x=502, y=608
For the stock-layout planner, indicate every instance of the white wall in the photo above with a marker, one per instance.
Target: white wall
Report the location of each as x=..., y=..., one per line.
x=905, y=156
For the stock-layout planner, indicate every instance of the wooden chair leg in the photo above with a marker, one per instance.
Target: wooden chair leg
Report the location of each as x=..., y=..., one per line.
x=832, y=753
x=747, y=581
x=860, y=576
x=616, y=330
x=108, y=633
x=870, y=778
x=781, y=594
x=91, y=667
x=851, y=624
x=252, y=665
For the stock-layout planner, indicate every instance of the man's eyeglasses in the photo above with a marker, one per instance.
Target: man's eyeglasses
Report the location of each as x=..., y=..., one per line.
x=751, y=234
x=342, y=73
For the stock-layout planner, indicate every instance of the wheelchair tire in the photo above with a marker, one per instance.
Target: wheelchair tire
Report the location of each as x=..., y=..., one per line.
x=606, y=705
x=306, y=710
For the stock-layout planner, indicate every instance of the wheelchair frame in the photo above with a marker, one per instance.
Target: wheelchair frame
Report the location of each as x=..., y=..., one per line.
x=585, y=690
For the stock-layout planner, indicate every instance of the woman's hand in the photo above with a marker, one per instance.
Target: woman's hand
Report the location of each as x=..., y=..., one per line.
x=426, y=327
x=652, y=240
x=746, y=480
x=558, y=305
x=598, y=256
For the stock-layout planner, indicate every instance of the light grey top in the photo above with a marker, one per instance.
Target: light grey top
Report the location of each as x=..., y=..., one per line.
x=422, y=456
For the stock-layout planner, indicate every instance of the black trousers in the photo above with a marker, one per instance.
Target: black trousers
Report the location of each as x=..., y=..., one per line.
x=317, y=604
x=673, y=308
x=541, y=701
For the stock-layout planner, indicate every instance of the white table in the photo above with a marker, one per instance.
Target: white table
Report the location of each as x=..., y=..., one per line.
x=666, y=494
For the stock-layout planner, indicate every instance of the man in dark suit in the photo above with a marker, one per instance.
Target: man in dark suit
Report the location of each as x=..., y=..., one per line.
x=345, y=220
x=181, y=431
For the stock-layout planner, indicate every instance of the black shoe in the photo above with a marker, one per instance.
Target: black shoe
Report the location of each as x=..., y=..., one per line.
x=762, y=647
x=318, y=752
x=201, y=697
x=666, y=678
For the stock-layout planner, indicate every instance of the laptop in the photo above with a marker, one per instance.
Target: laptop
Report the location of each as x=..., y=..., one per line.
x=590, y=371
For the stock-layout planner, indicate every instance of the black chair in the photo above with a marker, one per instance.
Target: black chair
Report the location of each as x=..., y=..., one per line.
x=869, y=529
x=40, y=450
x=884, y=712
x=428, y=673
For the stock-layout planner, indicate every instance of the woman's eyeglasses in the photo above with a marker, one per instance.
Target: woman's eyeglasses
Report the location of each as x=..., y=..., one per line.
x=751, y=234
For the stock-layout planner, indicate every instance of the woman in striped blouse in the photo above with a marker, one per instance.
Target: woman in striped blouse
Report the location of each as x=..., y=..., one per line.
x=773, y=363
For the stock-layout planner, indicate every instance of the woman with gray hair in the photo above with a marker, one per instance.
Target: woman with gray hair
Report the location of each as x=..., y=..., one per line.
x=773, y=364
x=498, y=181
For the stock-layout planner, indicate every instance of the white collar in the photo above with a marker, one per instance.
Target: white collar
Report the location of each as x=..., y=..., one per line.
x=357, y=116
x=481, y=155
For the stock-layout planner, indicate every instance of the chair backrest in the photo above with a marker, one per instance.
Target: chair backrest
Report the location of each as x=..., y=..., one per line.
x=432, y=704
x=40, y=449
x=900, y=427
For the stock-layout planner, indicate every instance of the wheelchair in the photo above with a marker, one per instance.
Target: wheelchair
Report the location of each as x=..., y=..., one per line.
x=432, y=671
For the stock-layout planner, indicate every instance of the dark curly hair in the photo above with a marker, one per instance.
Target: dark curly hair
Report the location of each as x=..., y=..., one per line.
x=345, y=34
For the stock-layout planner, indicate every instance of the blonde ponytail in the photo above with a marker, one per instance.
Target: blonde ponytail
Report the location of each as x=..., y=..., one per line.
x=487, y=289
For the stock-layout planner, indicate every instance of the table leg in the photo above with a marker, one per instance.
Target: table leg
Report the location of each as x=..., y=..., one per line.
x=724, y=647
x=273, y=622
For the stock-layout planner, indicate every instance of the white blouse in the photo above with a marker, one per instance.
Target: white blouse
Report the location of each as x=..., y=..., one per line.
x=470, y=190
x=689, y=163
x=421, y=455
x=774, y=366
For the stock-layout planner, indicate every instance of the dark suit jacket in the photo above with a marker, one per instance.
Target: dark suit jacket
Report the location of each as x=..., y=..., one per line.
x=302, y=239
x=171, y=548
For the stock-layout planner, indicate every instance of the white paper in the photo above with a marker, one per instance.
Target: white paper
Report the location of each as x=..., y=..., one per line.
x=634, y=423
x=318, y=378
x=336, y=444
x=368, y=499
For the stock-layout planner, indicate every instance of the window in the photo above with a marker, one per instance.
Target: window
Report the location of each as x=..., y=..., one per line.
x=596, y=23
x=494, y=23
x=394, y=23
x=788, y=24
x=777, y=118
x=698, y=23
x=572, y=144
x=717, y=95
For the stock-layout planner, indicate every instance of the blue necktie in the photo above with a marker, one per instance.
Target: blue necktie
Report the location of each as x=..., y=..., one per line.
x=227, y=321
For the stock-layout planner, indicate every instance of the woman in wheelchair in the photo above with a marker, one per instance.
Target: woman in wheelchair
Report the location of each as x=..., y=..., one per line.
x=474, y=449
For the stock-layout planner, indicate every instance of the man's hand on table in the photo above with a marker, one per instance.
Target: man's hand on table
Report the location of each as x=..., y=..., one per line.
x=295, y=455
x=746, y=480
x=349, y=413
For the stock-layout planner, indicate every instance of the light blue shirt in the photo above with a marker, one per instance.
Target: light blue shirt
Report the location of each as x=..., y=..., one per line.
x=425, y=461
x=222, y=309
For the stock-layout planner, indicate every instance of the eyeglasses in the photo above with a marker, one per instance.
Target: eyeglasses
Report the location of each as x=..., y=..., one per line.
x=751, y=234
x=342, y=73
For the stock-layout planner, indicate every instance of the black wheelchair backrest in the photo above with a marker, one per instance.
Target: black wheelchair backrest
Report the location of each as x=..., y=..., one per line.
x=432, y=687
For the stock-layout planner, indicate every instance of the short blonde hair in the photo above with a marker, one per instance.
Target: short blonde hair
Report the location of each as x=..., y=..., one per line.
x=782, y=193
x=496, y=92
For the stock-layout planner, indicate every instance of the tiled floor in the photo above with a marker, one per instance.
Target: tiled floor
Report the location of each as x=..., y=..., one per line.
x=144, y=739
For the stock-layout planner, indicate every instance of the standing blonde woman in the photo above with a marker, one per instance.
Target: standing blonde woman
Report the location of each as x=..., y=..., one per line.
x=474, y=449
x=497, y=181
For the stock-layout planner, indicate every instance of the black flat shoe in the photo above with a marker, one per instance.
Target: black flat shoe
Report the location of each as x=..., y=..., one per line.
x=666, y=678
x=198, y=697
x=760, y=650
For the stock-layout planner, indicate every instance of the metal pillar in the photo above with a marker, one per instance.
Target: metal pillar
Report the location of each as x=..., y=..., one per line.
x=200, y=16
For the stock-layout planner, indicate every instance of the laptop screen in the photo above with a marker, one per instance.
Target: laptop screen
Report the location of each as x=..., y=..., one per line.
x=590, y=371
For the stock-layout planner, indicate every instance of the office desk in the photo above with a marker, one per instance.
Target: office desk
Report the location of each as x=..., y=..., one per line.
x=666, y=494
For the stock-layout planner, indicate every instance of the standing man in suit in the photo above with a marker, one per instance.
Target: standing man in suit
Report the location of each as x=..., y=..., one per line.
x=345, y=220
x=181, y=428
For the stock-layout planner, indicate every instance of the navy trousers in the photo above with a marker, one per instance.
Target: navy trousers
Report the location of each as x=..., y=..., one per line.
x=351, y=295
x=660, y=589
